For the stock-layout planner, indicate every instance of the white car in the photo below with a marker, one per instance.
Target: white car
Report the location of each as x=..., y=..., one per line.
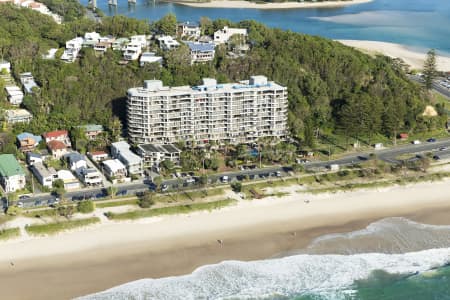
x=416, y=142
x=224, y=179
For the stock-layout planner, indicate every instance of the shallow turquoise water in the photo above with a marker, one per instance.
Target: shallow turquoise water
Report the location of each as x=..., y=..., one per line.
x=421, y=24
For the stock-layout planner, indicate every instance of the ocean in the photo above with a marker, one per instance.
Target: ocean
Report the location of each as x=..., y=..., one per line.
x=393, y=258
x=418, y=24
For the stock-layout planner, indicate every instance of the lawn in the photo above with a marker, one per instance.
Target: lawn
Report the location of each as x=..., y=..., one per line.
x=53, y=228
x=6, y=234
x=171, y=210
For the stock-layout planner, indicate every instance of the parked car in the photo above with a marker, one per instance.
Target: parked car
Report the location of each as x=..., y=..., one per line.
x=436, y=157
x=24, y=197
x=190, y=180
x=278, y=174
x=416, y=142
x=164, y=187
x=443, y=148
x=19, y=204
x=224, y=179
x=431, y=140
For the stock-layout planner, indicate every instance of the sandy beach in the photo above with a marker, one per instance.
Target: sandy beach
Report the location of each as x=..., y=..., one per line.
x=413, y=58
x=283, y=5
x=102, y=256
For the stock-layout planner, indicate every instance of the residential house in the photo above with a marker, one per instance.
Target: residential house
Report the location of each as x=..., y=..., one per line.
x=28, y=82
x=72, y=48
x=120, y=44
x=148, y=58
x=189, y=30
x=57, y=149
x=27, y=141
x=140, y=40
x=114, y=169
x=89, y=176
x=58, y=135
x=12, y=176
x=43, y=175
x=167, y=43
x=154, y=154
x=14, y=95
x=121, y=151
x=98, y=156
x=70, y=182
x=33, y=158
x=132, y=51
x=92, y=130
x=13, y=116
x=5, y=65
x=76, y=160
x=201, y=52
x=92, y=37
x=223, y=35
x=101, y=47
x=403, y=136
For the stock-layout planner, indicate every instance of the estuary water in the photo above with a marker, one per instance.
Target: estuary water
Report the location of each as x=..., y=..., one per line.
x=393, y=258
x=419, y=24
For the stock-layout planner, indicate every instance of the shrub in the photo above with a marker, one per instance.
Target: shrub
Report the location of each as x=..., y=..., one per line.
x=236, y=186
x=85, y=206
x=146, y=200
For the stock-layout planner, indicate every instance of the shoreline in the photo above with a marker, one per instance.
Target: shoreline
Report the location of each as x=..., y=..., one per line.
x=253, y=5
x=411, y=57
x=96, y=258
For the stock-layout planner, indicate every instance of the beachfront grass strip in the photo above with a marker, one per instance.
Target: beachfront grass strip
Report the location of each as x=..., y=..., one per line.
x=181, y=195
x=171, y=210
x=116, y=203
x=9, y=233
x=53, y=228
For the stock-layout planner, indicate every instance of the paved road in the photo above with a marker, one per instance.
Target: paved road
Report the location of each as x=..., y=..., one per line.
x=440, y=148
x=436, y=86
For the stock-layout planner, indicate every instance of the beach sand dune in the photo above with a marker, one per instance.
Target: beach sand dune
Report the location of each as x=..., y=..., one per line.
x=413, y=58
x=96, y=258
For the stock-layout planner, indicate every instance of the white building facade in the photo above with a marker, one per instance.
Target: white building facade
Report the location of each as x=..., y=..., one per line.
x=236, y=113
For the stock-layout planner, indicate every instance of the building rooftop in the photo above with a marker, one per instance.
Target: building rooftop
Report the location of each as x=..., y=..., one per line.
x=209, y=85
x=75, y=157
x=56, y=145
x=66, y=175
x=27, y=135
x=56, y=133
x=17, y=113
x=123, y=149
x=114, y=165
x=189, y=24
x=97, y=153
x=201, y=47
x=41, y=169
x=91, y=127
x=165, y=148
x=9, y=166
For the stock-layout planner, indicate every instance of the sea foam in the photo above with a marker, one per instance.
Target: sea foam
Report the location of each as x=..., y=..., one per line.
x=329, y=276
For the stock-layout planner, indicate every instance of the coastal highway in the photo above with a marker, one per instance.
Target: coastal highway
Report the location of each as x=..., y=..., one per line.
x=439, y=148
x=436, y=86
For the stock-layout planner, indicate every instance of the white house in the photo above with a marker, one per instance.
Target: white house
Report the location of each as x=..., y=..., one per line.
x=92, y=37
x=121, y=151
x=72, y=48
x=189, y=29
x=14, y=95
x=28, y=82
x=76, y=161
x=114, y=168
x=120, y=44
x=154, y=154
x=33, y=158
x=13, y=116
x=201, y=52
x=70, y=182
x=98, y=156
x=140, y=40
x=132, y=51
x=148, y=58
x=223, y=35
x=167, y=42
x=44, y=176
x=12, y=176
x=89, y=176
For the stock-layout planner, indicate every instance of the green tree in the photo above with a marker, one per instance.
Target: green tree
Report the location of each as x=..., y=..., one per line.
x=146, y=200
x=86, y=206
x=429, y=69
x=157, y=181
x=112, y=191
x=167, y=25
x=236, y=186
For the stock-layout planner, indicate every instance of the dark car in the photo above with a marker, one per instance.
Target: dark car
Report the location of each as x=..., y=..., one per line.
x=436, y=157
x=24, y=197
x=38, y=203
x=431, y=140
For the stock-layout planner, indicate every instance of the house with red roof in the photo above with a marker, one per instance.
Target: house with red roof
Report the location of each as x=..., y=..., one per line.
x=58, y=135
x=57, y=148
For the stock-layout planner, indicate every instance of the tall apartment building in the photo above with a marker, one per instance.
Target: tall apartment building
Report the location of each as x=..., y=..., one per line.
x=233, y=112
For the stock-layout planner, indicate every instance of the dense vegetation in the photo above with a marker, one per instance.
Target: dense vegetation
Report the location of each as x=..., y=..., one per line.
x=332, y=87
